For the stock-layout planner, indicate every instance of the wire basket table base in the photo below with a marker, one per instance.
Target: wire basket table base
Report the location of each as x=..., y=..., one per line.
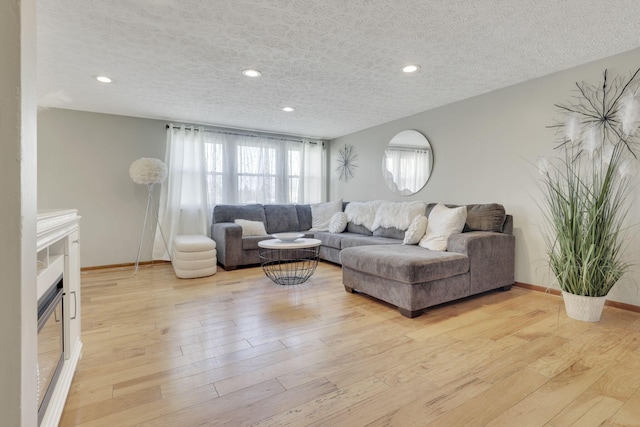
x=289, y=266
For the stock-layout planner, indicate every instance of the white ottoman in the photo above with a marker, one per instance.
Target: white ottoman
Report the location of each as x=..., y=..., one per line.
x=193, y=256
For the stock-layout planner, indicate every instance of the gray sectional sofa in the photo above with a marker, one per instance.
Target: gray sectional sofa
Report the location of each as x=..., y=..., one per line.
x=376, y=263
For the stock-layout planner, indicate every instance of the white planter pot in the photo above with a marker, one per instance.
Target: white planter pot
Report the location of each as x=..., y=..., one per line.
x=579, y=307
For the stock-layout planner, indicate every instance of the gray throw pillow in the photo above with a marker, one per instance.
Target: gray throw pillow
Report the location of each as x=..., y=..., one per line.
x=485, y=217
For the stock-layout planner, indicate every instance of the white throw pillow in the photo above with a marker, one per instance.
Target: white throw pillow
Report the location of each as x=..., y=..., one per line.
x=416, y=230
x=338, y=222
x=321, y=214
x=251, y=228
x=442, y=223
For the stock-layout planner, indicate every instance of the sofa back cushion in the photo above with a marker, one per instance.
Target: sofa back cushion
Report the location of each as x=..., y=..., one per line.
x=481, y=217
x=229, y=213
x=304, y=217
x=390, y=232
x=486, y=217
x=281, y=218
x=357, y=228
x=507, y=228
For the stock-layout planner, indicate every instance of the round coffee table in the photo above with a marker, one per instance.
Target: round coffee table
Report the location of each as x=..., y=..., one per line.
x=289, y=262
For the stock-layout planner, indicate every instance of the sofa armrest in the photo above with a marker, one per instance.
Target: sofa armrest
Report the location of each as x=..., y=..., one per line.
x=228, y=238
x=491, y=258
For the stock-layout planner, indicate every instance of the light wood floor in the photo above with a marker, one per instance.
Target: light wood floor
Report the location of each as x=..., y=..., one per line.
x=235, y=349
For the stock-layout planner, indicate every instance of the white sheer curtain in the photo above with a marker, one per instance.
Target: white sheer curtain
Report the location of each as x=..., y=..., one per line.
x=209, y=167
x=313, y=188
x=408, y=168
x=183, y=197
x=423, y=168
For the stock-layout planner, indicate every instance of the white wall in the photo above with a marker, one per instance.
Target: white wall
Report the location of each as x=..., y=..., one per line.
x=18, y=313
x=485, y=150
x=83, y=163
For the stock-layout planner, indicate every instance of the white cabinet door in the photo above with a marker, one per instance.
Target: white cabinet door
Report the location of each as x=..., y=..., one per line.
x=72, y=292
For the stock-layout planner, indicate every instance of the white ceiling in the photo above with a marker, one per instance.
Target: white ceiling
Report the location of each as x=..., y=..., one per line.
x=338, y=62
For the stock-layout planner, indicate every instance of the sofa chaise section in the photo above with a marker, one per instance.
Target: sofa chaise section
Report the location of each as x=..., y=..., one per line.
x=414, y=278
x=406, y=276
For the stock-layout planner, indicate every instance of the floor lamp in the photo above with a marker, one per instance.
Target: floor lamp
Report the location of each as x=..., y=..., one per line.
x=148, y=171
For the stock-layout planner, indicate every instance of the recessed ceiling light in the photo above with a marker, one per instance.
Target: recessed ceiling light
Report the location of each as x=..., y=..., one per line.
x=289, y=109
x=103, y=79
x=411, y=68
x=251, y=73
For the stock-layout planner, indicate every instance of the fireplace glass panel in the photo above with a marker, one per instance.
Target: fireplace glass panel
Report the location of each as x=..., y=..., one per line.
x=50, y=344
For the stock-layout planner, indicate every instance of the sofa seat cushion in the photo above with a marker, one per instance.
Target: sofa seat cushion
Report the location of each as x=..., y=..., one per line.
x=332, y=240
x=403, y=263
x=347, y=240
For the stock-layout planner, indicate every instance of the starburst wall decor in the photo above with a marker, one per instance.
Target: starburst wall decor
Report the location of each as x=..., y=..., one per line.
x=346, y=163
x=598, y=114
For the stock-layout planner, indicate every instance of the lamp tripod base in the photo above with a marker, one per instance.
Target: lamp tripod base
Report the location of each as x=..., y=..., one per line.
x=144, y=227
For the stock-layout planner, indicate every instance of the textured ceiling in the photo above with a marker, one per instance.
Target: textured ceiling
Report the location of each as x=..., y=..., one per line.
x=338, y=62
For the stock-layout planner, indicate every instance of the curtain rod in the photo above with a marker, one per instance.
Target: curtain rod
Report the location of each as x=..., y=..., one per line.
x=407, y=148
x=252, y=134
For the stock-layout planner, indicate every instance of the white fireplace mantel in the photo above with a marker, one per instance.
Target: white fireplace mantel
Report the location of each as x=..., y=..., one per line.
x=58, y=246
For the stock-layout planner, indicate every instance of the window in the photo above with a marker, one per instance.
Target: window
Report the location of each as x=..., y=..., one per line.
x=214, y=170
x=293, y=175
x=213, y=166
x=255, y=168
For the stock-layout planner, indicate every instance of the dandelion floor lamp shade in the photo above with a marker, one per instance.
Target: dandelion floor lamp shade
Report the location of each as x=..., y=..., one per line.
x=148, y=171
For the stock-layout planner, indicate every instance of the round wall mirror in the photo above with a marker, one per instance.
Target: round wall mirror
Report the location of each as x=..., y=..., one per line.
x=407, y=162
